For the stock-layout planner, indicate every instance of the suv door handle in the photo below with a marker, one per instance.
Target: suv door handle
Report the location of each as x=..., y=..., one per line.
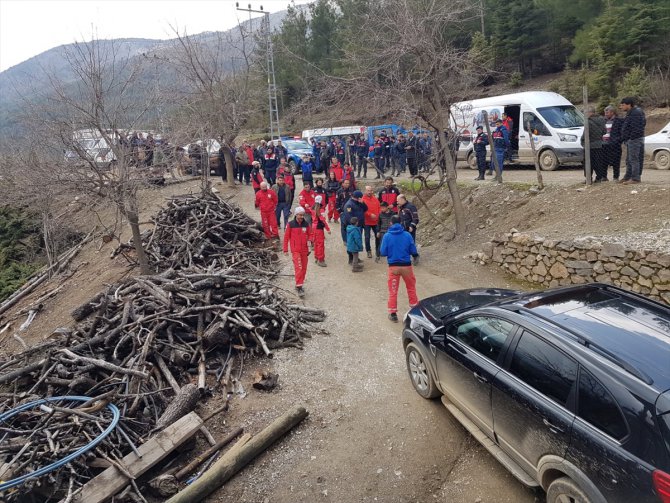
x=552, y=427
x=480, y=378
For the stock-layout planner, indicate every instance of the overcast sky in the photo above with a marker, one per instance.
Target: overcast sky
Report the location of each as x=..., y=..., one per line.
x=30, y=27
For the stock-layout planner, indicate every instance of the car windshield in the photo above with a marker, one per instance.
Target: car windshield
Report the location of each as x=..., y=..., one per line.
x=297, y=145
x=562, y=116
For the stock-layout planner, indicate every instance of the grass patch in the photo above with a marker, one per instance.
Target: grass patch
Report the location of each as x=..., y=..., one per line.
x=410, y=186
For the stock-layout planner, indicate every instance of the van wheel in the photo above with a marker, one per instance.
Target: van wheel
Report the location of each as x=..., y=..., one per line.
x=662, y=159
x=564, y=490
x=548, y=160
x=419, y=374
x=472, y=160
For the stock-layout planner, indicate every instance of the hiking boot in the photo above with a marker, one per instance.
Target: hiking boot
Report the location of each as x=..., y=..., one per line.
x=631, y=182
x=377, y=259
x=357, y=268
x=369, y=254
x=479, y=178
x=300, y=290
x=321, y=263
x=393, y=317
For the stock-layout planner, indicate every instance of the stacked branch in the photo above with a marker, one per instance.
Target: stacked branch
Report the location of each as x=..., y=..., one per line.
x=155, y=345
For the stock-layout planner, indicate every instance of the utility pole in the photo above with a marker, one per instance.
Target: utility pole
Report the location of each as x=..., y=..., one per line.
x=272, y=85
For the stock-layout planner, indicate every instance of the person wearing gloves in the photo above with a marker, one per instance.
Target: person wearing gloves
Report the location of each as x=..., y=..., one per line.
x=319, y=225
x=297, y=236
x=354, y=244
x=398, y=247
x=266, y=201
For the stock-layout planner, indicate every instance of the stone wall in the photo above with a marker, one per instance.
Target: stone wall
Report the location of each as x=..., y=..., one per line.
x=584, y=260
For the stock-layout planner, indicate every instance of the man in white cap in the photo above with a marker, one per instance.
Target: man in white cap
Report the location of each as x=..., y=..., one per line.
x=298, y=236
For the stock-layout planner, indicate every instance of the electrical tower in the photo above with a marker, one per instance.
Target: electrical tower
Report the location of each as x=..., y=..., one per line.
x=270, y=63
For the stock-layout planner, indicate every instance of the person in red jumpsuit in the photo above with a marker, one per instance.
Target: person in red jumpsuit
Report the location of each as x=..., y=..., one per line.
x=297, y=236
x=336, y=167
x=319, y=225
x=266, y=201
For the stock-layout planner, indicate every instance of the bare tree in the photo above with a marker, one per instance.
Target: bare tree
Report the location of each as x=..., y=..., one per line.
x=218, y=86
x=412, y=65
x=87, y=118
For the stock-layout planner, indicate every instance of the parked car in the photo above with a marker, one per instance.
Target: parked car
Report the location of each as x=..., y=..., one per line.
x=295, y=149
x=657, y=148
x=568, y=388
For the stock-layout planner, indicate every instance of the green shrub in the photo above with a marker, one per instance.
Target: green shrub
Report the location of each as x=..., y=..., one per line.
x=515, y=79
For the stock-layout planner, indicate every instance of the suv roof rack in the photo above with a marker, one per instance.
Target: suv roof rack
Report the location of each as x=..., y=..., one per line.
x=584, y=340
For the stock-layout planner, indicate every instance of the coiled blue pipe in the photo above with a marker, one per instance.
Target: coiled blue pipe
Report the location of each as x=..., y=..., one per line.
x=116, y=415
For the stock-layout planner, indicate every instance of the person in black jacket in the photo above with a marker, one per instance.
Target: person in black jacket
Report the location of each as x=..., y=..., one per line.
x=480, y=143
x=354, y=207
x=612, y=142
x=409, y=217
x=411, y=153
x=632, y=134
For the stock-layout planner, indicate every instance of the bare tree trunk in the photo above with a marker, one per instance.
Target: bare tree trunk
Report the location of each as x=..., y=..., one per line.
x=230, y=172
x=450, y=168
x=133, y=221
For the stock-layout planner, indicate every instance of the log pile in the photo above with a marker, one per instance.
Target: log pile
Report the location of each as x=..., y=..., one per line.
x=153, y=345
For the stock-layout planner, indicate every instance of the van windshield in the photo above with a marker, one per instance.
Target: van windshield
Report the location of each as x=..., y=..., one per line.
x=562, y=116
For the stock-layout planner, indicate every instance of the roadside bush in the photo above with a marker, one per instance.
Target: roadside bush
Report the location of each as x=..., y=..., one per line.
x=515, y=79
x=19, y=243
x=635, y=83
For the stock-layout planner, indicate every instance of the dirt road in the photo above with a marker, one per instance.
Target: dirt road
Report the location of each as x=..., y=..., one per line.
x=369, y=436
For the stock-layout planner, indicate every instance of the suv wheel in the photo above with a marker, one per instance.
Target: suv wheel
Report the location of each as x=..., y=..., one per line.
x=564, y=490
x=419, y=374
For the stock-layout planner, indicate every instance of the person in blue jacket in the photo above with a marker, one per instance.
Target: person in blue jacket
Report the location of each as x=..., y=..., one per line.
x=398, y=247
x=500, y=144
x=354, y=244
x=307, y=168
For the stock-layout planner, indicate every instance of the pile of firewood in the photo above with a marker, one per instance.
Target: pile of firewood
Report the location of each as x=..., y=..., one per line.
x=151, y=345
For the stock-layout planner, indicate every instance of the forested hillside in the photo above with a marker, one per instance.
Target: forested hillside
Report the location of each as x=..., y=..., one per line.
x=616, y=47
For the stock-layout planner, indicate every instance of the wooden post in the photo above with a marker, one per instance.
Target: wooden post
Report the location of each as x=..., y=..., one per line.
x=587, y=142
x=540, y=183
x=237, y=458
x=494, y=157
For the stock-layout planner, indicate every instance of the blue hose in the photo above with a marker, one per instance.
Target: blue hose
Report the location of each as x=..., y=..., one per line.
x=116, y=415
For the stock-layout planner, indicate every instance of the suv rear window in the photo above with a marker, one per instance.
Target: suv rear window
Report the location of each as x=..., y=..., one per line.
x=598, y=407
x=545, y=368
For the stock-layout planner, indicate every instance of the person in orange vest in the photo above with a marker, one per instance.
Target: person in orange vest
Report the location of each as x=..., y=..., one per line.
x=319, y=224
x=371, y=219
x=297, y=236
x=266, y=201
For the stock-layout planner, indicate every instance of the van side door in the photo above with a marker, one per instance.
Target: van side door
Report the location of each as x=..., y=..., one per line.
x=532, y=400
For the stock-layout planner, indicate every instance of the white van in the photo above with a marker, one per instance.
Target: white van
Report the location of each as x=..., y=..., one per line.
x=557, y=125
x=327, y=132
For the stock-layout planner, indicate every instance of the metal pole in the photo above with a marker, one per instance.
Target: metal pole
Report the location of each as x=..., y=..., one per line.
x=587, y=141
x=272, y=83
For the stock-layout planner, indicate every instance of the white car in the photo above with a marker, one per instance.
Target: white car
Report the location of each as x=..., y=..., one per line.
x=657, y=148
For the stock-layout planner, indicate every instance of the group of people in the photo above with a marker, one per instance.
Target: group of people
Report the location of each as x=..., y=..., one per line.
x=607, y=135
x=382, y=153
x=386, y=218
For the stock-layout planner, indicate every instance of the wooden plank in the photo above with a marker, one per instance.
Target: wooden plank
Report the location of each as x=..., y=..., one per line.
x=102, y=487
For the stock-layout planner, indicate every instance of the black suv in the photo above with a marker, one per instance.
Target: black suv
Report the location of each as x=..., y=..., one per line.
x=568, y=388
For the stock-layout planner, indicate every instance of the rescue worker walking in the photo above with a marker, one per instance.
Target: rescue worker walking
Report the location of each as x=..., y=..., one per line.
x=297, y=237
x=266, y=201
x=398, y=247
x=319, y=225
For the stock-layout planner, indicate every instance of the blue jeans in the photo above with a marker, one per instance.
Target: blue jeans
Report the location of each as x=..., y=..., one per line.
x=282, y=209
x=634, y=159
